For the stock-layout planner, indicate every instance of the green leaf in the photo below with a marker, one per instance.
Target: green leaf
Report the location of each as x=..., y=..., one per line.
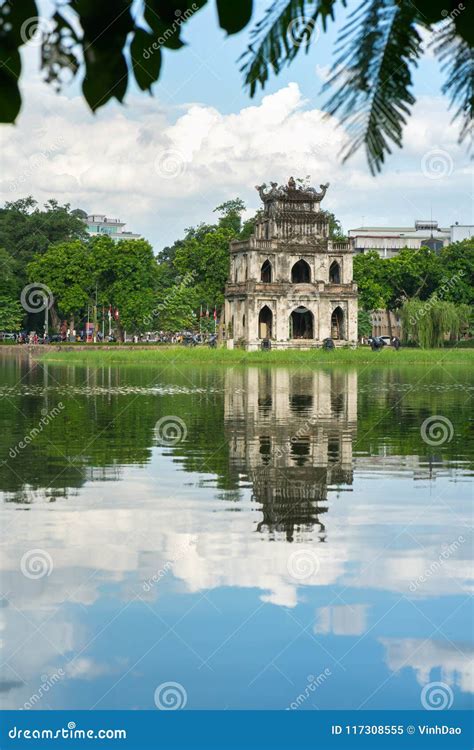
x=166, y=30
x=233, y=17
x=106, y=77
x=146, y=59
x=286, y=28
x=376, y=51
x=10, y=99
x=457, y=61
x=19, y=24
x=18, y=21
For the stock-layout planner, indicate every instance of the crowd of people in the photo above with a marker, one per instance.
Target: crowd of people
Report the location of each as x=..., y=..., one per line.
x=187, y=338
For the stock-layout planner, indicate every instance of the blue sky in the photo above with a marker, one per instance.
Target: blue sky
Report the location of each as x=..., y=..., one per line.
x=163, y=163
x=208, y=71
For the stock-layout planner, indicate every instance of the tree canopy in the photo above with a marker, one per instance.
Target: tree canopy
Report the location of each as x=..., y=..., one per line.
x=27, y=230
x=388, y=283
x=82, y=274
x=371, y=84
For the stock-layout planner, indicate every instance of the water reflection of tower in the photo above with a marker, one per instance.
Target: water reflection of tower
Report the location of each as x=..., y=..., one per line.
x=290, y=435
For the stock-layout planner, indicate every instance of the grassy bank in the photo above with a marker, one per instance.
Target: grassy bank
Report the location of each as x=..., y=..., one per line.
x=200, y=355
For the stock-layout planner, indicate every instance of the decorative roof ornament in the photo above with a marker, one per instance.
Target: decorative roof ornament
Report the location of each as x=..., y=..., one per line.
x=292, y=191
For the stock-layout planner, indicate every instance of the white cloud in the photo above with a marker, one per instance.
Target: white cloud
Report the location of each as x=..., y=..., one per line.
x=162, y=169
x=424, y=656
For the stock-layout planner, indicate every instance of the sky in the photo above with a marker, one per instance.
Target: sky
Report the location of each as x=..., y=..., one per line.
x=163, y=163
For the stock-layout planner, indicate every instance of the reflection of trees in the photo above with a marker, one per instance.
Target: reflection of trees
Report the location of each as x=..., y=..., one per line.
x=394, y=402
x=237, y=424
x=108, y=422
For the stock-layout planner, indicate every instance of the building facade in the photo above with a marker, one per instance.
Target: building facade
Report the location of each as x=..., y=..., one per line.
x=388, y=241
x=290, y=286
x=99, y=224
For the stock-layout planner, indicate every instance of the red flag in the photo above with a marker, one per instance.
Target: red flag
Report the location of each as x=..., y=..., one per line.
x=116, y=313
x=215, y=313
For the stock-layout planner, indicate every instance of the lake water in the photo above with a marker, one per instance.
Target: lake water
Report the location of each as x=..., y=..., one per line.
x=259, y=537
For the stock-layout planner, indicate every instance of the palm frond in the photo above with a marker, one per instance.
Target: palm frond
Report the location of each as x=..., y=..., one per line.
x=457, y=61
x=375, y=52
x=285, y=28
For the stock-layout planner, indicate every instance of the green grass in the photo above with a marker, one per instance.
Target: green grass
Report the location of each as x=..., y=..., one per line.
x=202, y=355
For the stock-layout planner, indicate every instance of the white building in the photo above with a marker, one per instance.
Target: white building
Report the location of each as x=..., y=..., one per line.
x=99, y=224
x=388, y=241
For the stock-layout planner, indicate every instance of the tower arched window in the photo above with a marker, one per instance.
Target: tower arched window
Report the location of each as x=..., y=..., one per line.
x=335, y=273
x=301, y=273
x=338, y=324
x=265, y=323
x=266, y=272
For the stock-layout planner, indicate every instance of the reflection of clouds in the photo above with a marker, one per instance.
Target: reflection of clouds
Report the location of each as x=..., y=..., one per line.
x=345, y=619
x=84, y=668
x=456, y=664
x=395, y=570
x=144, y=522
x=164, y=527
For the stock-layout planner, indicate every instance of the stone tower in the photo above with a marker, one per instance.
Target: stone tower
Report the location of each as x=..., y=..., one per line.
x=289, y=284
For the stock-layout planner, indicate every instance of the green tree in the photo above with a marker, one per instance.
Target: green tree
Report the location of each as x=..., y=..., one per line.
x=457, y=262
x=377, y=52
x=430, y=322
x=80, y=274
x=27, y=230
x=11, y=313
x=336, y=231
x=364, y=324
x=372, y=281
x=248, y=227
x=412, y=274
x=231, y=214
x=174, y=311
x=69, y=270
x=202, y=256
x=9, y=283
x=127, y=279
x=208, y=259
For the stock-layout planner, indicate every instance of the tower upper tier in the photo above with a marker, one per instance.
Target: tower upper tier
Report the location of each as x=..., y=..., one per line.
x=291, y=212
